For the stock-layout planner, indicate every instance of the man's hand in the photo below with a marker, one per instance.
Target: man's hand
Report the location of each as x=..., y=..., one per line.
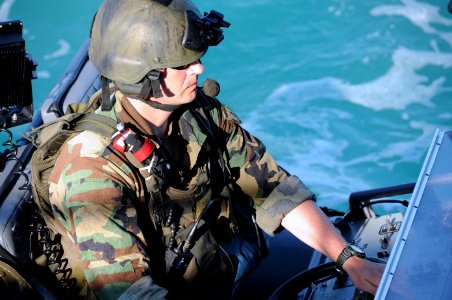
x=366, y=275
x=310, y=225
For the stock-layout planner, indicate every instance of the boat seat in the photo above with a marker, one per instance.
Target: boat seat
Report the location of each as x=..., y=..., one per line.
x=16, y=205
x=76, y=85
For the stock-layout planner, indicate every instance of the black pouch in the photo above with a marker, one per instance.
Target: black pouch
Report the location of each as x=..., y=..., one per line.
x=210, y=273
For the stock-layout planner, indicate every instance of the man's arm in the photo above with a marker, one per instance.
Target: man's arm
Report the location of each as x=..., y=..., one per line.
x=277, y=194
x=308, y=223
x=95, y=200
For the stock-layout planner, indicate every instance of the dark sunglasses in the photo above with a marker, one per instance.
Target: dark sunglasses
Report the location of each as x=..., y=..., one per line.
x=185, y=67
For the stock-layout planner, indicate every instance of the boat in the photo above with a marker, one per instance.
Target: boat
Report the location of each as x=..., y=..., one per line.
x=414, y=242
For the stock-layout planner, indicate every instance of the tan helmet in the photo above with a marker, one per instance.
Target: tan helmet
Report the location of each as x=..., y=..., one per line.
x=131, y=38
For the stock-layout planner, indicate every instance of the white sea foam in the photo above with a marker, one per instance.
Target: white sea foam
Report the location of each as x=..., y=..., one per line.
x=315, y=150
x=299, y=93
x=445, y=116
x=312, y=151
x=422, y=15
x=5, y=8
x=64, y=49
x=401, y=85
x=410, y=151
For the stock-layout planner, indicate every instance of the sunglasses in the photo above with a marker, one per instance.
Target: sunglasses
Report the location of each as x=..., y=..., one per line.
x=185, y=67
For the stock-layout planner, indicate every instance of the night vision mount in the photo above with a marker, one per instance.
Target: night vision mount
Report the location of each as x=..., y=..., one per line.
x=200, y=33
x=17, y=69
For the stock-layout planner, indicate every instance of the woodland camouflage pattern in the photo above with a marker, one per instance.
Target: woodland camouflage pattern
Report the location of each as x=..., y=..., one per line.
x=97, y=196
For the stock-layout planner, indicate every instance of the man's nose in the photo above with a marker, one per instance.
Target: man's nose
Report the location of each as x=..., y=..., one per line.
x=196, y=68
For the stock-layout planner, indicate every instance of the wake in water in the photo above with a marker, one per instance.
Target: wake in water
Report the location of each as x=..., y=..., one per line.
x=401, y=85
x=340, y=137
x=420, y=14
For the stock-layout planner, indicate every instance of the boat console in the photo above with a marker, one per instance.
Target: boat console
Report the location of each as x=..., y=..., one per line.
x=415, y=245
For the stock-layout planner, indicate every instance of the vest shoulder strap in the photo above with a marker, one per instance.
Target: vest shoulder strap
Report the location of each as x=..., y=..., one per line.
x=97, y=123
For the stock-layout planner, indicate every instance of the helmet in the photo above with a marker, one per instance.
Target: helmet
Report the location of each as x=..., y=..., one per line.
x=131, y=38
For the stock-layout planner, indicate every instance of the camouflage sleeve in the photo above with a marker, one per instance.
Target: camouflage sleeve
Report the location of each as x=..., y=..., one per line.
x=274, y=191
x=92, y=198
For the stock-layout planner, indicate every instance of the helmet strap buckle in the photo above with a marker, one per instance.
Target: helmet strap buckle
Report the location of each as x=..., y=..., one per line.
x=151, y=82
x=106, y=102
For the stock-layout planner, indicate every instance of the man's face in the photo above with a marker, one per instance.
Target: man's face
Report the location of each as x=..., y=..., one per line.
x=179, y=85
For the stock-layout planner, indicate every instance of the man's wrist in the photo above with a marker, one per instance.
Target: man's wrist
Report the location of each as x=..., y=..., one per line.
x=348, y=251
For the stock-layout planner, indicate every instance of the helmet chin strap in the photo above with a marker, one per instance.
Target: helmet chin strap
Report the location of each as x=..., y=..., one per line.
x=151, y=83
x=161, y=106
x=142, y=90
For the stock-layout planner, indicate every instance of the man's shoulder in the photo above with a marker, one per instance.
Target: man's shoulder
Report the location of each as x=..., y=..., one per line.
x=88, y=143
x=84, y=151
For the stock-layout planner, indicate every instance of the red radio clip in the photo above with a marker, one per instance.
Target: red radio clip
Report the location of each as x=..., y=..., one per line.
x=125, y=139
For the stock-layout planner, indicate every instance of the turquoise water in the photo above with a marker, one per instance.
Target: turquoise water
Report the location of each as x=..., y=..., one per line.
x=345, y=94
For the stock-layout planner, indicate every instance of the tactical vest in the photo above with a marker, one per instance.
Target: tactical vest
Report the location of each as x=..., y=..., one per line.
x=195, y=219
x=191, y=233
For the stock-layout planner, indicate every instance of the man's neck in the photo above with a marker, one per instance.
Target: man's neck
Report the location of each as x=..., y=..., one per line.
x=156, y=118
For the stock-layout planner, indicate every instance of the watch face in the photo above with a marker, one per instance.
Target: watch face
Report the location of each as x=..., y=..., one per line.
x=356, y=249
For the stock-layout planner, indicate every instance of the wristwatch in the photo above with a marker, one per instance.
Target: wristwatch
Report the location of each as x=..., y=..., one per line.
x=349, y=251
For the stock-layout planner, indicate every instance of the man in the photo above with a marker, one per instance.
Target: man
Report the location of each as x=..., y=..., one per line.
x=165, y=208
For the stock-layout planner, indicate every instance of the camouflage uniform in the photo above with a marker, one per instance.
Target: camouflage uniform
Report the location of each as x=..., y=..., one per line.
x=100, y=202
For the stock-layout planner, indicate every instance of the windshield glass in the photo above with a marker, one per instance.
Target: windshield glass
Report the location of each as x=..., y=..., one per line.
x=424, y=253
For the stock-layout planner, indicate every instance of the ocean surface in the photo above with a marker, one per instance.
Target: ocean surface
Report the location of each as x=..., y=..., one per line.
x=345, y=94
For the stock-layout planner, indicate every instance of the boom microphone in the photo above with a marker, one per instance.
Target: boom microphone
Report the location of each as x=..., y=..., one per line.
x=211, y=87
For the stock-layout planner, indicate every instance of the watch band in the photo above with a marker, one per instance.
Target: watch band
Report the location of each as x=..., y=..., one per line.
x=347, y=252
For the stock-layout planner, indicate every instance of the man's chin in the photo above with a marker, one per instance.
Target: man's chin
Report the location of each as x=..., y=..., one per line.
x=191, y=97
